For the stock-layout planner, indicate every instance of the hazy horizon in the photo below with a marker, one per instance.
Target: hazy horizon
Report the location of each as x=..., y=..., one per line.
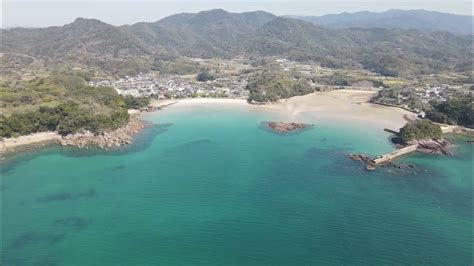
x=19, y=13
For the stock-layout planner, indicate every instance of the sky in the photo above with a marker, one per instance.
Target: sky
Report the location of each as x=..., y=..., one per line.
x=30, y=13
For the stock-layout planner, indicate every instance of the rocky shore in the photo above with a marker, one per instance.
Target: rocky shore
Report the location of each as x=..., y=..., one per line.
x=107, y=140
x=282, y=127
x=432, y=146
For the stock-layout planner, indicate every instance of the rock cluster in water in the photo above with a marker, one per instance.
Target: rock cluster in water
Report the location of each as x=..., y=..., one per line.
x=282, y=127
x=442, y=146
x=107, y=140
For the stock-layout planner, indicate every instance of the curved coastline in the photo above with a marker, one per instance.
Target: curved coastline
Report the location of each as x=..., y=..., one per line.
x=337, y=107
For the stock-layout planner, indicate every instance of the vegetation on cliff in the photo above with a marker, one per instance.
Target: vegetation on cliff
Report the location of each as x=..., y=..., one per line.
x=456, y=111
x=60, y=102
x=419, y=130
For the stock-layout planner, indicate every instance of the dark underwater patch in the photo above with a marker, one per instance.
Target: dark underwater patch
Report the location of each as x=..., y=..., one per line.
x=331, y=152
x=86, y=194
x=200, y=145
x=63, y=196
x=195, y=143
x=56, y=239
x=74, y=222
x=117, y=168
x=23, y=240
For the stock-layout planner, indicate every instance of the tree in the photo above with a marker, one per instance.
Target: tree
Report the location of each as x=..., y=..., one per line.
x=205, y=75
x=136, y=102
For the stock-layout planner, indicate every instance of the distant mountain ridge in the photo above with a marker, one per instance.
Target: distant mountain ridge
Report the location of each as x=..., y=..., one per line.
x=218, y=33
x=396, y=19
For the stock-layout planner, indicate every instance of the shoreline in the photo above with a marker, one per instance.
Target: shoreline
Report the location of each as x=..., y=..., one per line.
x=32, y=141
x=334, y=107
x=331, y=107
x=341, y=106
x=191, y=101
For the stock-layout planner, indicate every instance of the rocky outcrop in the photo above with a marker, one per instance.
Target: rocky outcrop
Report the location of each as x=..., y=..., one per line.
x=360, y=158
x=107, y=140
x=371, y=165
x=442, y=146
x=282, y=127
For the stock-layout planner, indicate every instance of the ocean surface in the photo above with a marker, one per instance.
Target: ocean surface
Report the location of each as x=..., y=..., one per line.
x=212, y=186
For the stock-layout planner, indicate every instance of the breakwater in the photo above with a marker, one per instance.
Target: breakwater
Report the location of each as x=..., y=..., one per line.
x=390, y=156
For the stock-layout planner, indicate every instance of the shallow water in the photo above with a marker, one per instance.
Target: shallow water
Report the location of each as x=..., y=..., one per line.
x=208, y=185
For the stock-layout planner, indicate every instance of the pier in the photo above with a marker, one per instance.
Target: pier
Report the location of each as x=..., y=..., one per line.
x=390, y=156
x=392, y=131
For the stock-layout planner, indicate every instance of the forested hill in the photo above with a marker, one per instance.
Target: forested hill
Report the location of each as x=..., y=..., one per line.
x=396, y=19
x=216, y=33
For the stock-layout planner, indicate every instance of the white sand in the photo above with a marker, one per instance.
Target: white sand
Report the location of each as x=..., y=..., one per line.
x=212, y=101
x=162, y=103
x=8, y=144
x=339, y=106
x=342, y=106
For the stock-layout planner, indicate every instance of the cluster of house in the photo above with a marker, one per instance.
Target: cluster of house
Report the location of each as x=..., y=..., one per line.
x=440, y=93
x=169, y=87
x=415, y=99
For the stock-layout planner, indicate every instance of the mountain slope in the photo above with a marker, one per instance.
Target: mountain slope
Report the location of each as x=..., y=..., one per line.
x=207, y=33
x=386, y=51
x=217, y=33
x=399, y=19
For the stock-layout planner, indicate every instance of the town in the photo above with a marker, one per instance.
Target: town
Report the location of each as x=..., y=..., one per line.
x=174, y=86
x=418, y=99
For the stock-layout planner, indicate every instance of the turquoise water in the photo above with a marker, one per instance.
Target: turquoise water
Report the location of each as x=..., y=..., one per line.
x=215, y=188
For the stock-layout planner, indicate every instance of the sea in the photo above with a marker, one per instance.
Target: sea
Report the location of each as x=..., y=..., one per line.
x=212, y=185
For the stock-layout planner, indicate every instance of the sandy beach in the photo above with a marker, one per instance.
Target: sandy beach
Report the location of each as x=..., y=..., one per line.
x=10, y=144
x=337, y=106
x=342, y=106
x=212, y=101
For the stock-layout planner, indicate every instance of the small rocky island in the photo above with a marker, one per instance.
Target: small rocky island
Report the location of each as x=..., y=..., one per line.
x=282, y=127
